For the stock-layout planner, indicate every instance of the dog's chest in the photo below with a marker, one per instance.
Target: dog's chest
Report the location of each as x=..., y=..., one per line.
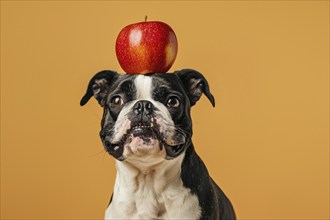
x=152, y=198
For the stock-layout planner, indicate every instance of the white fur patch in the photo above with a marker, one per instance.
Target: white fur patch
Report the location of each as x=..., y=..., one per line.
x=152, y=189
x=143, y=85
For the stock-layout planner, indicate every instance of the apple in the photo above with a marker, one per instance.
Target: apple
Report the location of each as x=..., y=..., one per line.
x=146, y=47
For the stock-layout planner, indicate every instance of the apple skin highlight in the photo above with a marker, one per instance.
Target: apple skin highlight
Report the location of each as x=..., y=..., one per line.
x=146, y=47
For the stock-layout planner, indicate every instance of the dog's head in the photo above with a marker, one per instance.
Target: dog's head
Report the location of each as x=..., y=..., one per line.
x=147, y=115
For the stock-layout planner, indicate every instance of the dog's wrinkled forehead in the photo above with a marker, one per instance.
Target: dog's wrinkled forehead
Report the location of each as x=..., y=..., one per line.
x=125, y=86
x=144, y=87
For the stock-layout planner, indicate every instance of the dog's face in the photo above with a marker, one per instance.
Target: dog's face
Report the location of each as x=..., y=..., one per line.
x=146, y=115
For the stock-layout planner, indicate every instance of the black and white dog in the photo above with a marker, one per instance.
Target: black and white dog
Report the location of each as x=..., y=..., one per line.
x=147, y=127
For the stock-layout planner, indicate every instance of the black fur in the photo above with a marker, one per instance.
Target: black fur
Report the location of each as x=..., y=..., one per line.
x=213, y=202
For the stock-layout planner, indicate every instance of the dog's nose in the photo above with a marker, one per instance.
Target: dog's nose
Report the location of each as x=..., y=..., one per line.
x=143, y=107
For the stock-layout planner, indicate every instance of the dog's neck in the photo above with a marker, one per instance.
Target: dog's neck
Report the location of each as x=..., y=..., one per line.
x=151, y=191
x=134, y=174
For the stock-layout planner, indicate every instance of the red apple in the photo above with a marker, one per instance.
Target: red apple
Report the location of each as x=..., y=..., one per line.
x=146, y=47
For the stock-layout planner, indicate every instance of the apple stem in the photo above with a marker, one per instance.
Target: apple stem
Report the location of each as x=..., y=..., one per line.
x=145, y=18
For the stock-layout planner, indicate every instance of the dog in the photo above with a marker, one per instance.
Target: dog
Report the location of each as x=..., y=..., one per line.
x=147, y=127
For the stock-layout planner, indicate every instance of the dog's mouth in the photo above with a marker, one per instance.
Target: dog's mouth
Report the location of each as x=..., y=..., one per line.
x=143, y=131
x=146, y=132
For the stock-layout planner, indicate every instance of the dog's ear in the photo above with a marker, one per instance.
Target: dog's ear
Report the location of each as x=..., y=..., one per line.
x=98, y=86
x=195, y=85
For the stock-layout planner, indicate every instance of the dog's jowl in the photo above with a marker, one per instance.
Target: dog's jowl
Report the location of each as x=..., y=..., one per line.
x=147, y=128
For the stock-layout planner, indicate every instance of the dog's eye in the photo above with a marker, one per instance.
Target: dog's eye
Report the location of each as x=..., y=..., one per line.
x=173, y=102
x=117, y=101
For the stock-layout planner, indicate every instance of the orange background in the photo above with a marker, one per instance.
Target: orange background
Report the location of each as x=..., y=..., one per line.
x=266, y=143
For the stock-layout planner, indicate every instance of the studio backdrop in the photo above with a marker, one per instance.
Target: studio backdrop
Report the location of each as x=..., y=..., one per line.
x=266, y=143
